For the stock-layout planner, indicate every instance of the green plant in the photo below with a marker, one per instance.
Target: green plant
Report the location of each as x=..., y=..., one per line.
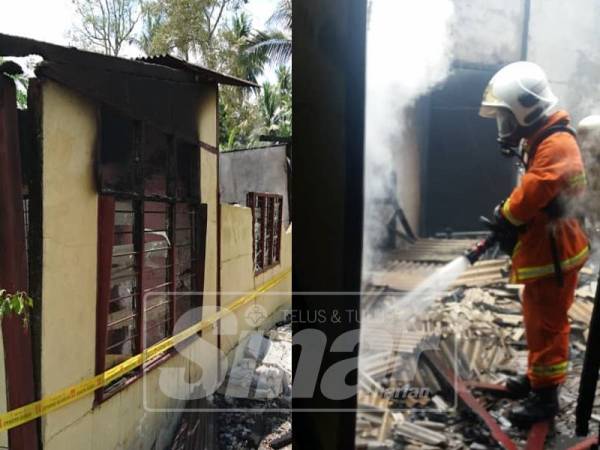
x=18, y=303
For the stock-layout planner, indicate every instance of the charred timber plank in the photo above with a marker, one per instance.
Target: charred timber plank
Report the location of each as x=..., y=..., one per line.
x=18, y=352
x=487, y=387
x=447, y=374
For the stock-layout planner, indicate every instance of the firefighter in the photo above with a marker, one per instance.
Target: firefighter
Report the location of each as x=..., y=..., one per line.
x=542, y=232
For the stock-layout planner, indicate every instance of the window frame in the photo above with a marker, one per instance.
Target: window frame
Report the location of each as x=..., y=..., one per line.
x=268, y=231
x=107, y=201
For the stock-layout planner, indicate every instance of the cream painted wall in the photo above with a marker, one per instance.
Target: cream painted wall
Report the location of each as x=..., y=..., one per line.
x=126, y=420
x=237, y=274
x=69, y=252
x=209, y=185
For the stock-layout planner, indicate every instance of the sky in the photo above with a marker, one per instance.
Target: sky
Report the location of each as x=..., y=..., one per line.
x=50, y=20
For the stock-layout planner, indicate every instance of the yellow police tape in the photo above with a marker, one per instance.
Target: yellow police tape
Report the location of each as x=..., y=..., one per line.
x=68, y=395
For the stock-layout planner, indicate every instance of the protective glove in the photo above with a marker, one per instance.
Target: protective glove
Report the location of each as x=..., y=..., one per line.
x=505, y=232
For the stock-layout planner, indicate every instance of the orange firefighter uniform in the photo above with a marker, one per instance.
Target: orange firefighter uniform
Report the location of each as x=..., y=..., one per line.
x=555, y=170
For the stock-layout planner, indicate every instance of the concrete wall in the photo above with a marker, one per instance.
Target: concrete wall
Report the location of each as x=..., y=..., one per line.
x=562, y=39
x=254, y=170
x=487, y=32
x=237, y=274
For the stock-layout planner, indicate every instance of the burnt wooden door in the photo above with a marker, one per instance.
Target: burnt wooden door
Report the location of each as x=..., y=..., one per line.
x=464, y=174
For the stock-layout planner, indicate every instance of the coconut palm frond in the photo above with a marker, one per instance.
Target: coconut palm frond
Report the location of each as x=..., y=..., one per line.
x=282, y=16
x=276, y=46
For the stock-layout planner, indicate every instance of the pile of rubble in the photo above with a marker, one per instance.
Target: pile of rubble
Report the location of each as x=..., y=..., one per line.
x=258, y=388
x=254, y=402
x=407, y=401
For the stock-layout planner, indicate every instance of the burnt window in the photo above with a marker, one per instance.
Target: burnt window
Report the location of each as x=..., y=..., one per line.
x=117, y=158
x=152, y=231
x=135, y=158
x=266, y=229
x=156, y=149
x=187, y=179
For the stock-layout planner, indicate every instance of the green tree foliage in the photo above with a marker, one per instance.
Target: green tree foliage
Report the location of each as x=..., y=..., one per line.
x=234, y=39
x=153, y=19
x=186, y=28
x=217, y=34
x=276, y=104
x=105, y=25
x=276, y=42
x=22, y=84
x=237, y=109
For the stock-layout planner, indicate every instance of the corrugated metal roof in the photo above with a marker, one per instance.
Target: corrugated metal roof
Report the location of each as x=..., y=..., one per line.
x=205, y=73
x=165, y=68
x=406, y=268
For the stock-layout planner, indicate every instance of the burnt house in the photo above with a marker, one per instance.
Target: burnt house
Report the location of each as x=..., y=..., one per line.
x=121, y=237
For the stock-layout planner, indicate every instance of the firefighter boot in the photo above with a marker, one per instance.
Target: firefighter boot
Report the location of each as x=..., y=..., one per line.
x=519, y=386
x=542, y=404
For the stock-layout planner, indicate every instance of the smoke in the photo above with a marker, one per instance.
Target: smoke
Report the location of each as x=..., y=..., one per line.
x=588, y=206
x=408, y=53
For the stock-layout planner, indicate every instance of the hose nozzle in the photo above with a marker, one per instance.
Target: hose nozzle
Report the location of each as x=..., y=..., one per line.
x=480, y=248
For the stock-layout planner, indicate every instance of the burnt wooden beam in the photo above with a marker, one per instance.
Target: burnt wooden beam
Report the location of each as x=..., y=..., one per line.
x=18, y=354
x=590, y=371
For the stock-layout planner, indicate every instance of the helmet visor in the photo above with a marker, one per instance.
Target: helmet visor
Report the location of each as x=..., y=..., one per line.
x=507, y=123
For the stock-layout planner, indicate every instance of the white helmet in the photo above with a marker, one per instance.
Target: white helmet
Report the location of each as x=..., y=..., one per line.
x=520, y=88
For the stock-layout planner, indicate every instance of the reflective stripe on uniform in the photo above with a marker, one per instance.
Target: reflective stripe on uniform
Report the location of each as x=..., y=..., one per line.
x=578, y=180
x=551, y=370
x=525, y=273
x=506, y=212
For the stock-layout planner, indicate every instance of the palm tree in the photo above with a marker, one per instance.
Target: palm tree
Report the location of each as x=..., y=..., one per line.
x=238, y=34
x=275, y=104
x=276, y=43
